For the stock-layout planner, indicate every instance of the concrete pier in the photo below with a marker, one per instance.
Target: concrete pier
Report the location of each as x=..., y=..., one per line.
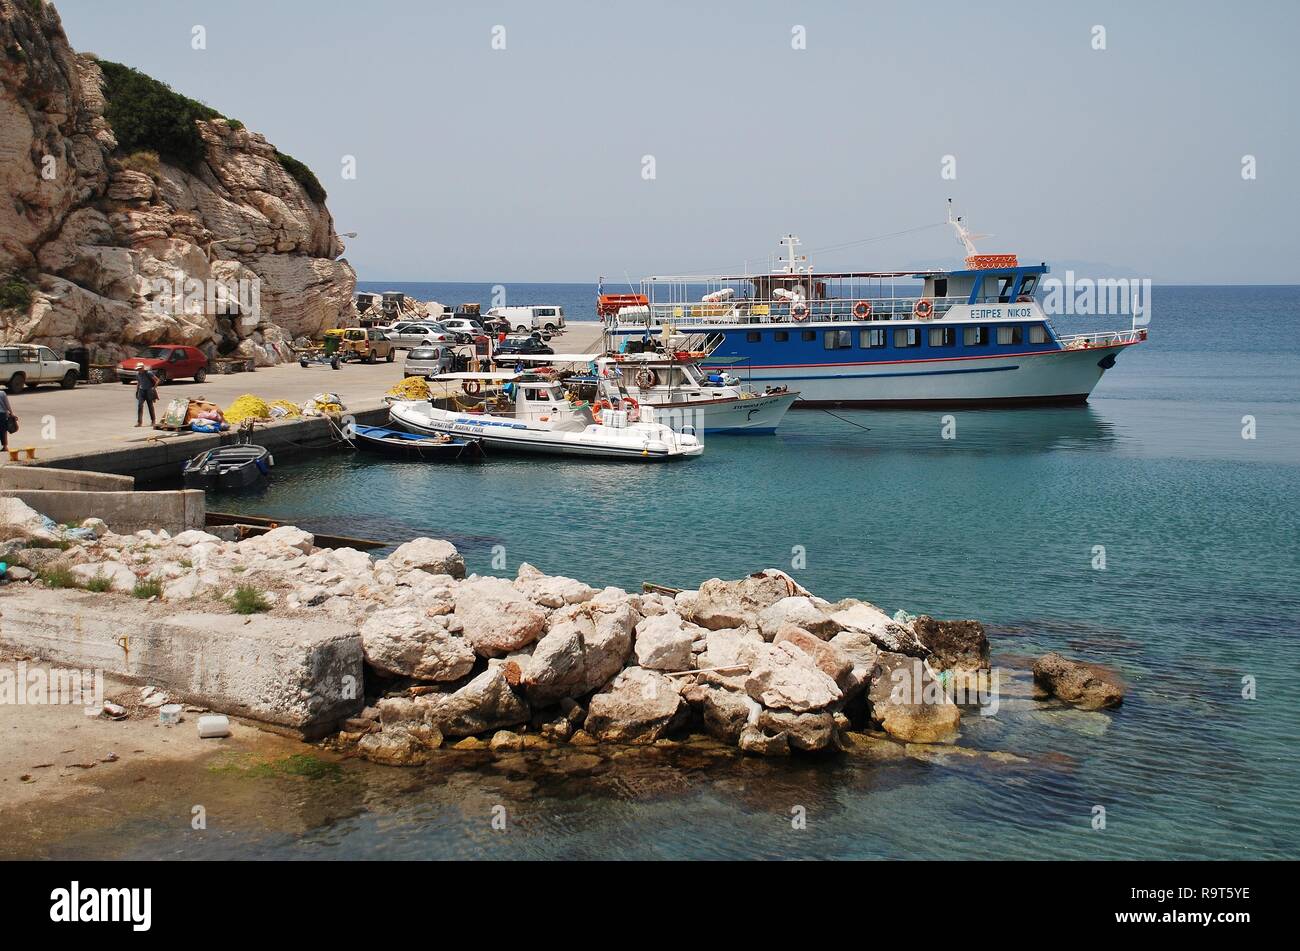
x=296, y=678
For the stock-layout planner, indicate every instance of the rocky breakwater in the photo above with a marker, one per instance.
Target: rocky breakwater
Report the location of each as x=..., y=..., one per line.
x=759, y=663
x=137, y=216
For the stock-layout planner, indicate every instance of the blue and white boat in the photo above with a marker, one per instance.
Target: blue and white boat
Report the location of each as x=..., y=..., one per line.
x=967, y=337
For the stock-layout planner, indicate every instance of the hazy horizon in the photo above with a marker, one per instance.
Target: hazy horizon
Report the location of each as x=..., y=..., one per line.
x=525, y=164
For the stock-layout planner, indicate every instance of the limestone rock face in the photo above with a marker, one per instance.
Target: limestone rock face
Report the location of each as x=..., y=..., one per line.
x=733, y=604
x=1087, y=686
x=664, y=643
x=784, y=677
x=485, y=703
x=584, y=646
x=117, y=257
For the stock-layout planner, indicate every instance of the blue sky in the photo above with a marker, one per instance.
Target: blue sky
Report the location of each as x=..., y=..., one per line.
x=525, y=164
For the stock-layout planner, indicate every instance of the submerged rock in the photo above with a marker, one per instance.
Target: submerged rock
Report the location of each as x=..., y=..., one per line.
x=727, y=712
x=754, y=740
x=953, y=645
x=909, y=704
x=407, y=744
x=803, y=731
x=1087, y=686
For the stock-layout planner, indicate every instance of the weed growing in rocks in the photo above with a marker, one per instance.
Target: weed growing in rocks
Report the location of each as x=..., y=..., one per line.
x=58, y=576
x=99, y=584
x=248, y=600
x=147, y=588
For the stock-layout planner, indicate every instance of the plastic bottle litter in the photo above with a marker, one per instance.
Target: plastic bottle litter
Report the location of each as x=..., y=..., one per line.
x=213, y=726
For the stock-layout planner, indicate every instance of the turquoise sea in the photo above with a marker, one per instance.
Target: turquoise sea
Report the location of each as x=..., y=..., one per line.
x=1199, y=596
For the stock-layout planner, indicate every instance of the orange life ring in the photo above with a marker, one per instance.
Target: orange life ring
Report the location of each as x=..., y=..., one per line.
x=633, y=409
x=862, y=309
x=799, y=310
x=599, y=405
x=472, y=387
x=923, y=309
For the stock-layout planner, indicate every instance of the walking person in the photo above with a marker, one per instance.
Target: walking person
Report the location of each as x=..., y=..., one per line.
x=146, y=393
x=6, y=414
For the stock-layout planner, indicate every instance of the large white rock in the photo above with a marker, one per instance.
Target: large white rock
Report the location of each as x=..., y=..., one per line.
x=801, y=612
x=584, y=646
x=409, y=643
x=638, y=706
x=551, y=591
x=664, y=643
x=193, y=584
x=729, y=604
x=781, y=676
x=20, y=520
x=485, y=703
x=432, y=555
x=122, y=578
x=287, y=541
x=193, y=536
x=495, y=618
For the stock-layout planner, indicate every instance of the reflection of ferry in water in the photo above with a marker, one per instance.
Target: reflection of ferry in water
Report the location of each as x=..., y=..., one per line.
x=972, y=336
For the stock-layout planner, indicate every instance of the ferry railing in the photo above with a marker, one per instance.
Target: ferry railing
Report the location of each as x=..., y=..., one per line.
x=1105, y=338
x=751, y=311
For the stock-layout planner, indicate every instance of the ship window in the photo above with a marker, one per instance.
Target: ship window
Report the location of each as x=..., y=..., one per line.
x=753, y=336
x=1009, y=335
x=1030, y=282
x=942, y=336
x=782, y=336
x=906, y=337
x=807, y=335
x=1004, y=292
x=974, y=336
x=837, y=339
x=871, y=338
x=1037, y=334
x=940, y=287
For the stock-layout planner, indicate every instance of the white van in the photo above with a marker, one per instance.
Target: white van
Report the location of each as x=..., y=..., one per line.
x=546, y=317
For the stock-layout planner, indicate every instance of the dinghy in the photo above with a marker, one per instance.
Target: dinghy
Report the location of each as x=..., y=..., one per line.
x=398, y=442
x=228, y=468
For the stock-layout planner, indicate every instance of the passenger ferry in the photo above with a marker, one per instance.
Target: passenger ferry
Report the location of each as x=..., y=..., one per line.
x=968, y=337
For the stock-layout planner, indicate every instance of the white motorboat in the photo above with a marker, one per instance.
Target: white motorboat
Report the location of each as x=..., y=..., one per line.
x=525, y=412
x=684, y=395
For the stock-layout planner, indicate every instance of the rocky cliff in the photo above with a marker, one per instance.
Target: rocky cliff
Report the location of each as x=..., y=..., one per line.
x=113, y=250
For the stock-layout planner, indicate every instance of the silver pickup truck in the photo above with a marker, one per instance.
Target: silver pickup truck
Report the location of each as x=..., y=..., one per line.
x=24, y=364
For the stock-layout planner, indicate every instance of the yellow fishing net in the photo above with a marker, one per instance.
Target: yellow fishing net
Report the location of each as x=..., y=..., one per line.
x=411, y=388
x=248, y=406
x=291, y=410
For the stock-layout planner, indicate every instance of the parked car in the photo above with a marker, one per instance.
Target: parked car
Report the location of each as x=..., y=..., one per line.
x=168, y=362
x=464, y=327
x=23, y=365
x=546, y=317
x=366, y=344
x=522, y=345
x=429, y=361
x=419, y=333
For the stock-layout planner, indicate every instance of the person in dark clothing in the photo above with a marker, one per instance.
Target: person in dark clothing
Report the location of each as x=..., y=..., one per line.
x=6, y=414
x=146, y=393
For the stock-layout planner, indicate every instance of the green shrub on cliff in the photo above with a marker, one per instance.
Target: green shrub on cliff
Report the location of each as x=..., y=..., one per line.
x=149, y=115
x=305, y=176
x=14, y=293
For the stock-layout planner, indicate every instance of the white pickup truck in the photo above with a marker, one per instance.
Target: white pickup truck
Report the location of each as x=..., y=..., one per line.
x=24, y=364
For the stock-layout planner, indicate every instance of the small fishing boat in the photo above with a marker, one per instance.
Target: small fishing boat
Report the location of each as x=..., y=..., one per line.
x=528, y=413
x=228, y=468
x=399, y=442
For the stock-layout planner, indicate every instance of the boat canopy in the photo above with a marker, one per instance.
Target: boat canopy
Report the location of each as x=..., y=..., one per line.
x=501, y=377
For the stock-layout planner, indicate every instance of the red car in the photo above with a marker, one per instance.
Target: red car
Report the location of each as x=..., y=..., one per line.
x=168, y=362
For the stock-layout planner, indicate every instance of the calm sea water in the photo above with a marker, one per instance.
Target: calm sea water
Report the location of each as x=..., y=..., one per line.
x=1199, y=591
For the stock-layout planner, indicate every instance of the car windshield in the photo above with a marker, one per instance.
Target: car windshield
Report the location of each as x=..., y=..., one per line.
x=157, y=353
x=424, y=353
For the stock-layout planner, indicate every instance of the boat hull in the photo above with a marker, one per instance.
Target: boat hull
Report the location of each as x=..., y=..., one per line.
x=227, y=469
x=504, y=435
x=1044, y=377
x=753, y=415
x=408, y=445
